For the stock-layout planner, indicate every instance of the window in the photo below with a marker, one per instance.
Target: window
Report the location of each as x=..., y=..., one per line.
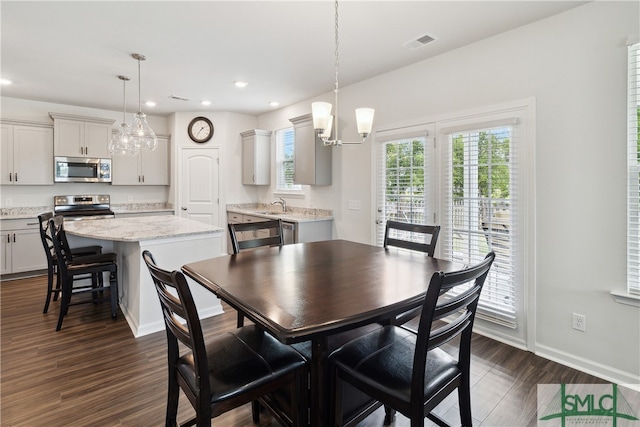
x=285, y=147
x=479, y=212
x=633, y=182
x=403, y=190
x=472, y=175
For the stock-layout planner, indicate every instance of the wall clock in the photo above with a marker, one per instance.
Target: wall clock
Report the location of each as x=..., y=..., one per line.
x=200, y=130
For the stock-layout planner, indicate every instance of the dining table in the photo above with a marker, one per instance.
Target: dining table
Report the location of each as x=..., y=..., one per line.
x=308, y=292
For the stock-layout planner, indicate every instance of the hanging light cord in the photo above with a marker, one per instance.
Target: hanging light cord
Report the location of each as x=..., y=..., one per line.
x=139, y=84
x=124, y=99
x=337, y=63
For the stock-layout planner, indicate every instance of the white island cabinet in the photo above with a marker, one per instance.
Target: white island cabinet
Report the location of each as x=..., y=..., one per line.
x=172, y=240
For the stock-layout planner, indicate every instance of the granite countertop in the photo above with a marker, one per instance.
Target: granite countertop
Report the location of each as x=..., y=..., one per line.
x=139, y=228
x=293, y=214
x=33, y=212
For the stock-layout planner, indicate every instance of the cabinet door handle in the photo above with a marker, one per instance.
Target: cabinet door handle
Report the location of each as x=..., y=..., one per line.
x=16, y=176
x=8, y=238
x=14, y=237
x=142, y=178
x=10, y=177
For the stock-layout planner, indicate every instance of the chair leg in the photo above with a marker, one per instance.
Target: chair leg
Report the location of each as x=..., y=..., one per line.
x=240, y=320
x=66, y=298
x=49, y=287
x=255, y=411
x=113, y=282
x=172, y=401
x=464, y=400
x=389, y=415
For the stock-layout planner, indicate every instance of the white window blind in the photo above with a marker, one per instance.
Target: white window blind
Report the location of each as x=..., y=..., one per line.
x=480, y=209
x=285, y=147
x=633, y=182
x=402, y=184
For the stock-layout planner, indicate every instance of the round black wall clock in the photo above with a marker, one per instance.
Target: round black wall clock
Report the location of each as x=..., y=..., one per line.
x=200, y=130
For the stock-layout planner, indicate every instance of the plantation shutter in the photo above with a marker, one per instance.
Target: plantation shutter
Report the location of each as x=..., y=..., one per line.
x=285, y=139
x=633, y=185
x=480, y=208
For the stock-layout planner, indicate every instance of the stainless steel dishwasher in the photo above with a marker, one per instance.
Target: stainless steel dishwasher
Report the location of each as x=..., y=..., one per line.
x=289, y=232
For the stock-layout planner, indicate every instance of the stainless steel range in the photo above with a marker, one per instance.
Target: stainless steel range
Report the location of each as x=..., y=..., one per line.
x=86, y=206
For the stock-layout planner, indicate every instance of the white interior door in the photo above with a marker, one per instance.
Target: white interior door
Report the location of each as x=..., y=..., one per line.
x=200, y=185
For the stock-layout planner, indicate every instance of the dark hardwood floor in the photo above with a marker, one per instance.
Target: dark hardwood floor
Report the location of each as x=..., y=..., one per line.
x=95, y=373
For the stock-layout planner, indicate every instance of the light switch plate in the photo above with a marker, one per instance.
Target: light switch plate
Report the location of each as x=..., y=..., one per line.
x=354, y=205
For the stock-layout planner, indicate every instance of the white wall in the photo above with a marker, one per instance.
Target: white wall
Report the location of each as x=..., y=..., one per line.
x=574, y=65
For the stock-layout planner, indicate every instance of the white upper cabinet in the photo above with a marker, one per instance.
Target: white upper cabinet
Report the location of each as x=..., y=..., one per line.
x=312, y=164
x=256, y=157
x=26, y=154
x=147, y=168
x=79, y=136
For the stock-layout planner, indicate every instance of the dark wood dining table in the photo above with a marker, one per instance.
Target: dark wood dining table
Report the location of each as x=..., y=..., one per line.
x=310, y=291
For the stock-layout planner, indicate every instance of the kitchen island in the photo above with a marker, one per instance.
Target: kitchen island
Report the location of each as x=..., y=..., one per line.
x=172, y=240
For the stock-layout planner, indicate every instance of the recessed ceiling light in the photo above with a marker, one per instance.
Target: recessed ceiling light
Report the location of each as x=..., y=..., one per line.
x=150, y=104
x=274, y=103
x=5, y=82
x=241, y=84
x=205, y=102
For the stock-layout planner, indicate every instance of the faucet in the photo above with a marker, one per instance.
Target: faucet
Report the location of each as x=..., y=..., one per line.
x=280, y=202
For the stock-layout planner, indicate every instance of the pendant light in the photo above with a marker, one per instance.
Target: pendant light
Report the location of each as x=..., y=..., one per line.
x=321, y=111
x=140, y=133
x=120, y=144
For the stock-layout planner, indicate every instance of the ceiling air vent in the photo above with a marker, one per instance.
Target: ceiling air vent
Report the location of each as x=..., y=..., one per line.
x=418, y=43
x=178, y=98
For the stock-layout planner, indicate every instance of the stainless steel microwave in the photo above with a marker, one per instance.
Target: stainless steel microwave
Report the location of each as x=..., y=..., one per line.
x=80, y=169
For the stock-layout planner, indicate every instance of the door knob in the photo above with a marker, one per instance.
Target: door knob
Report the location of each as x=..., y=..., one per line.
x=184, y=209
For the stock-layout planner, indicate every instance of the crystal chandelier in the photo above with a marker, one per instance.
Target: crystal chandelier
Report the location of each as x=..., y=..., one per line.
x=321, y=111
x=140, y=133
x=120, y=144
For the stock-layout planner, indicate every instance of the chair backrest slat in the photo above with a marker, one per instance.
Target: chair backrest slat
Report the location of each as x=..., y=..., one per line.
x=273, y=227
x=430, y=235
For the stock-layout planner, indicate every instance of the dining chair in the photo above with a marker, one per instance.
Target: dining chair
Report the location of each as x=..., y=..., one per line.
x=408, y=372
x=92, y=266
x=229, y=370
x=52, y=261
x=416, y=237
x=262, y=233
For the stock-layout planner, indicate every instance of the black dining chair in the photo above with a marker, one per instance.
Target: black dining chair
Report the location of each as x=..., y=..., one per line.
x=408, y=372
x=230, y=370
x=261, y=233
x=52, y=260
x=92, y=266
x=416, y=237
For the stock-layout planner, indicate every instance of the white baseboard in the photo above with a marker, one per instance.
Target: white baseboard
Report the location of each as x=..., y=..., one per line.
x=590, y=367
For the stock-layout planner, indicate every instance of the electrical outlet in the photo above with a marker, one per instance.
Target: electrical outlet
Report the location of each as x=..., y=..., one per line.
x=579, y=322
x=9, y=202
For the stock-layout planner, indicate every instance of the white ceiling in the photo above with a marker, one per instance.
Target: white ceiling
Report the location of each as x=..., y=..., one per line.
x=72, y=52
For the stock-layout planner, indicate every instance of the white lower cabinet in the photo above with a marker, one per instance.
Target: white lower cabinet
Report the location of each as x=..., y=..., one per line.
x=22, y=248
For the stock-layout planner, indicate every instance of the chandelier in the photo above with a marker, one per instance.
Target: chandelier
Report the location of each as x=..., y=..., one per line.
x=321, y=111
x=140, y=133
x=120, y=144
